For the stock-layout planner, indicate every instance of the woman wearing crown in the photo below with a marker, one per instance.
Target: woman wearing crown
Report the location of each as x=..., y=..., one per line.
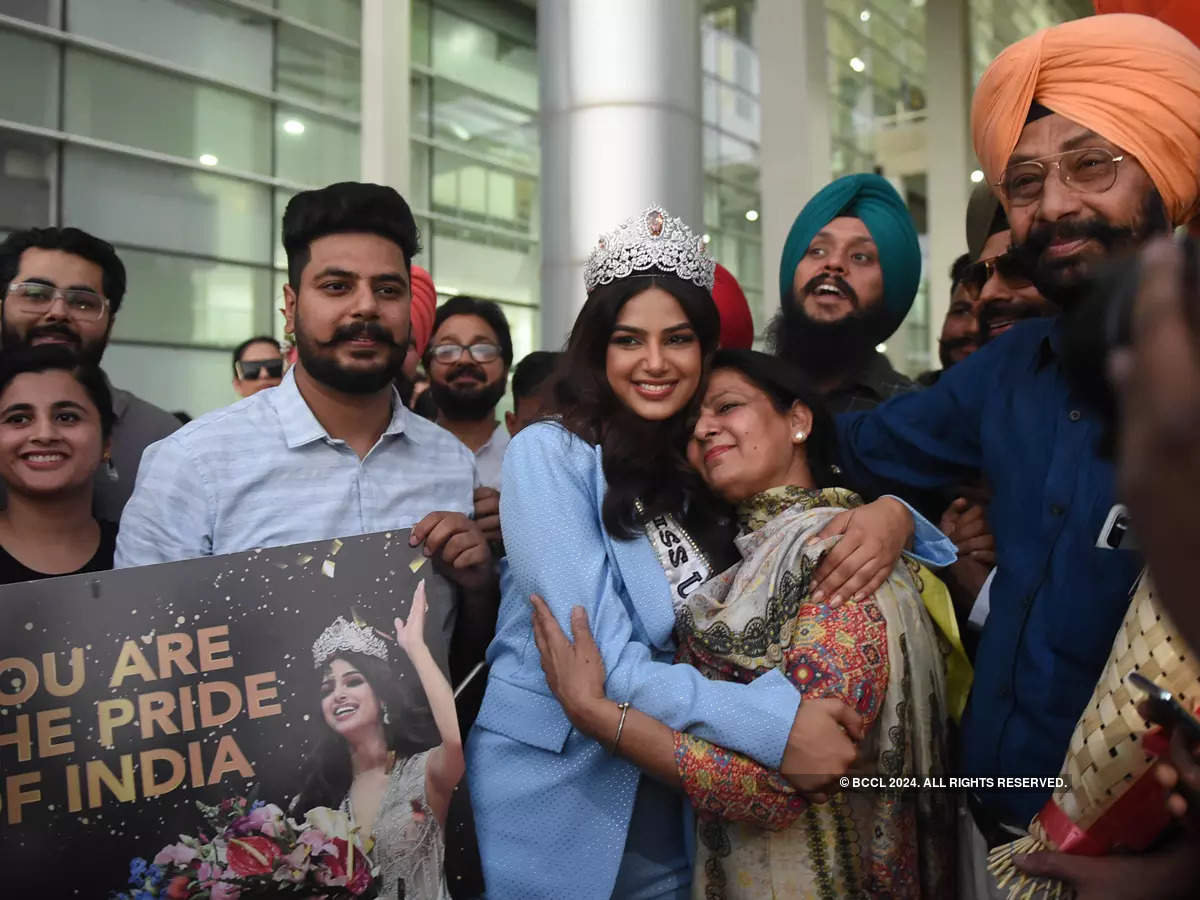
x=600, y=509
x=398, y=805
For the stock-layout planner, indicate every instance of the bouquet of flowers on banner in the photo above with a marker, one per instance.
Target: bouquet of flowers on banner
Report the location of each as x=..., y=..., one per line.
x=252, y=850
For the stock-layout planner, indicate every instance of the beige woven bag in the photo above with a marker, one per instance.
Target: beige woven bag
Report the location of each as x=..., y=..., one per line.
x=1110, y=801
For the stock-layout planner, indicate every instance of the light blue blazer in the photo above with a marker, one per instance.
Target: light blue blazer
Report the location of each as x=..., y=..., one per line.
x=552, y=808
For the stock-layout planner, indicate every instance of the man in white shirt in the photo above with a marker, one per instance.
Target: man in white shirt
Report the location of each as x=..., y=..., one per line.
x=332, y=451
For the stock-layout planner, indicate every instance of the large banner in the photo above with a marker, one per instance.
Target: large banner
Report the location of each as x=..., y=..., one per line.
x=128, y=696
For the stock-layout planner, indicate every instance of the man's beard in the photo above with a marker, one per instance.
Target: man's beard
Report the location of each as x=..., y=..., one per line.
x=87, y=353
x=947, y=348
x=319, y=361
x=467, y=405
x=824, y=349
x=1065, y=282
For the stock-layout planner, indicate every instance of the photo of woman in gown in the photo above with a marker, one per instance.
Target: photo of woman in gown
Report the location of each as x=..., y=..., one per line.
x=582, y=499
x=398, y=804
x=763, y=441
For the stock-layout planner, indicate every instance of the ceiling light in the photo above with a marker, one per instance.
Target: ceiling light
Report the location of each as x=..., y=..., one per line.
x=293, y=126
x=706, y=237
x=864, y=16
x=976, y=176
x=752, y=215
x=207, y=159
x=857, y=64
x=882, y=348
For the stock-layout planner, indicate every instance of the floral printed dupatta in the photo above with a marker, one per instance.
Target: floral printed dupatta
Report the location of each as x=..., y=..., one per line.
x=881, y=655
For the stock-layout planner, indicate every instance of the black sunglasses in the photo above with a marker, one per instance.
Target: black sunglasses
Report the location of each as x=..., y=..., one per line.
x=252, y=369
x=1006, y=265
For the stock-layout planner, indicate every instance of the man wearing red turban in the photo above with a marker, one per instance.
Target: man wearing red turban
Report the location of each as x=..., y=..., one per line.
x=737, y=325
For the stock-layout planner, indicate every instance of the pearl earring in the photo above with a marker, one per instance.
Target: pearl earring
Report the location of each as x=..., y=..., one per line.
x=800, y=436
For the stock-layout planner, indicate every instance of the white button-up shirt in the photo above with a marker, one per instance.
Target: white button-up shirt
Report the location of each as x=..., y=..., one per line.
x=489, y=457
x=264, y=473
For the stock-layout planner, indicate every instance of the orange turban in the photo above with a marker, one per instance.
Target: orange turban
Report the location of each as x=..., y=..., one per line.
x=424, y=305
x=1129, y=78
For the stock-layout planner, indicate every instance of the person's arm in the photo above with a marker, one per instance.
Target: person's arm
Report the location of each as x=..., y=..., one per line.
x=170, y=515
x=549, y=502
x=446, y=764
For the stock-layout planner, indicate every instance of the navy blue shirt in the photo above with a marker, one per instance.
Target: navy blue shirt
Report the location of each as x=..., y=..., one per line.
x=1056, y=600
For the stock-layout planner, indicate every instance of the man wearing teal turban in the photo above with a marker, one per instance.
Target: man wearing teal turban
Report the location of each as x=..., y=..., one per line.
x=849, y=273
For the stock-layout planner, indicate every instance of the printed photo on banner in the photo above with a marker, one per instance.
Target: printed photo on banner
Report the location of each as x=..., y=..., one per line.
x=189, y=728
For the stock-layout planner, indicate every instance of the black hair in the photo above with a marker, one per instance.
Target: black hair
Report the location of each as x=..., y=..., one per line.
x=349, y=206
x=68, y=240
x=958, y=269
x=327, y=771
x=54, y=357
x=643, y=461
x=488, y=310
x=246, y=344
x=532, y=372
x=785, y=384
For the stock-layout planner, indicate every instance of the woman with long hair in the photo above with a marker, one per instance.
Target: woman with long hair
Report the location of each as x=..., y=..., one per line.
x=764, y=442
x=398, y=804
x=56, y=422
x=600, y=508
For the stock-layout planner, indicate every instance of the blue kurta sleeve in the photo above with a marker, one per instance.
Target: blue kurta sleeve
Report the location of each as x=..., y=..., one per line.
x=557, y=548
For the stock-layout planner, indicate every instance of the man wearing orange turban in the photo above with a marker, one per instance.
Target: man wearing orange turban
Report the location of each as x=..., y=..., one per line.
x=1089, y=133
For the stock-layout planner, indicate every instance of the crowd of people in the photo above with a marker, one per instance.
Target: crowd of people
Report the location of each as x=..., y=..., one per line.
x=708, y=582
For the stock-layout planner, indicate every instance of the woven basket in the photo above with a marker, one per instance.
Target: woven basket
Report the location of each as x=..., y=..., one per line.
x=1110, y=801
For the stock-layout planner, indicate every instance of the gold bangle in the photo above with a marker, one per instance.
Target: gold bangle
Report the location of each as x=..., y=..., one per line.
x=624, y=707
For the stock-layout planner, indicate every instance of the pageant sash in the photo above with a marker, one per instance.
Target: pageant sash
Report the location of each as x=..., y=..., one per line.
x=686, y=566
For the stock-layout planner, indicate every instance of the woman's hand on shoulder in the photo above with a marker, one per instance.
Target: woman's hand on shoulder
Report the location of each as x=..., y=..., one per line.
x=872, y=538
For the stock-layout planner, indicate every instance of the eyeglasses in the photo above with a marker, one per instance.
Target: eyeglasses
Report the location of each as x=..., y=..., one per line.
x=36, y=298
x=1089, y=170
x=1006, y=265
x=252, y=369
x=452, y=353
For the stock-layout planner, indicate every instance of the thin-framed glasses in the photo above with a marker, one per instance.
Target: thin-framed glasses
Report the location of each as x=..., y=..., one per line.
x=1088, y=170
x=447, y=354
x=1006, y=265
x=36, y=298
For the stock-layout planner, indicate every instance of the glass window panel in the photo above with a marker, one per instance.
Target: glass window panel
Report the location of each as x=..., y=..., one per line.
x=420, y=32
x=484, y=59
x=218, y=39
x=419, y=180
x=342, y=17
x=481, y=125
x=468, y=188
x=194, y=380
x=523, y=324
x=131, y=201
x=29, y=69
x=127, y=104
x=314, y=150
x=281, y=201
x=419, y=90
x=313, y=69
x=27, y=172
x=44, y=12
x=468, y=261
x=176, y=300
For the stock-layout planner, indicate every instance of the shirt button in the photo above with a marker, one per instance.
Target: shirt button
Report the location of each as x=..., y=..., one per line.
x=1074, y=415
x=1057, y=510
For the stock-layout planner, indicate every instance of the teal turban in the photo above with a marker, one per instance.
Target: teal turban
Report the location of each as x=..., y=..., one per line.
x=873, y=200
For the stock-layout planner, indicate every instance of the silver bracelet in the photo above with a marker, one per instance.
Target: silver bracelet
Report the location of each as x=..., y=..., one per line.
x=624, y=707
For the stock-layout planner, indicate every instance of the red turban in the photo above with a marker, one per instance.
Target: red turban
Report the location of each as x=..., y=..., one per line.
x=737, y=325
x=1130, y=79
x=424, y=305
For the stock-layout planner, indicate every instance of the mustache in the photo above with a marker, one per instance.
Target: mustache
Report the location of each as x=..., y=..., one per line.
x=957, y=343
x=55, y=329
x=837, y=281
x=1041, y=236
x=356, y=330
x=467, y=371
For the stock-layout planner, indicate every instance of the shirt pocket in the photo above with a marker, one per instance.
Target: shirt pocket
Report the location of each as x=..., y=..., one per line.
x=524, y=715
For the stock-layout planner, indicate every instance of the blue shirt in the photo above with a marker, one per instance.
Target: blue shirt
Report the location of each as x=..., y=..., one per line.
x=1057, y=600
x=264, y=473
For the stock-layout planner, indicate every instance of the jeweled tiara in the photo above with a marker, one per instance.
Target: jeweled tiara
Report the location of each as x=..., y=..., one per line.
x=343, y=636
x=651, y=240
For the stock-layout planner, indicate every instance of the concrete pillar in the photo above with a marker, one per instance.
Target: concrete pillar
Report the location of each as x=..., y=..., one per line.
x=950, y=155
x=796, y=142
x=620, y=126
x=386, y=53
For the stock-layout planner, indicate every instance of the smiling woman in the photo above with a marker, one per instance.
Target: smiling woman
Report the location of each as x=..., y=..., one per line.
x=55, y=420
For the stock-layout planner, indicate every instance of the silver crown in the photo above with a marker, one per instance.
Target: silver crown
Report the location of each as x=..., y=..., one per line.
x=651, y=240
x=343, y=636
